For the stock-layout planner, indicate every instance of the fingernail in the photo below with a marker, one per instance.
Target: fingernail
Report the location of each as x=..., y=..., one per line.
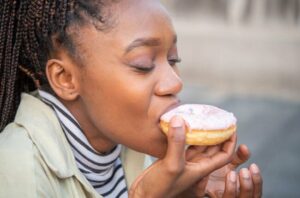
x=232, y=176
x=254, y=168
x=177, y=122
x=245, y=173
x=177, y=125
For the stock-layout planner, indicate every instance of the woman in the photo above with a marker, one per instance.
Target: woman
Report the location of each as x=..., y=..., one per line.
x=105, y=72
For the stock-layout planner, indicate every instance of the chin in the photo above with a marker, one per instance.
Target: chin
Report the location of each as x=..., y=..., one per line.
x=157, y=149
x=154, y=143
x=159, y=145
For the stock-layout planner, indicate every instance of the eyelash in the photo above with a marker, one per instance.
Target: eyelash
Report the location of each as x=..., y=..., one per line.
x=143, y=69
x=173, y=62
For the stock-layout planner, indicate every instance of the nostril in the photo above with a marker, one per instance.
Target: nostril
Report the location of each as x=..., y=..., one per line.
x=169, y=83
x=169, y=95
x=168, y=88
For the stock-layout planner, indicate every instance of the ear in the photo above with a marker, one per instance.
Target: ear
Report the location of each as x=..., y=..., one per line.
x=61, y=75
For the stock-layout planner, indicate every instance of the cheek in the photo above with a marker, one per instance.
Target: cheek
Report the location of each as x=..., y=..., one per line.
x=122, y=107
x=119, y=96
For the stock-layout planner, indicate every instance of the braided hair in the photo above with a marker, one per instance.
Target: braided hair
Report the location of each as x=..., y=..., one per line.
x=30, y=32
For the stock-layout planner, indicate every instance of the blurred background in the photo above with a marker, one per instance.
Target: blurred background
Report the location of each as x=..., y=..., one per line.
x=244, y=56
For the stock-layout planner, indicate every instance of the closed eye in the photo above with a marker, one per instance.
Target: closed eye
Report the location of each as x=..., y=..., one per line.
x=144, y=69
x=173, y=62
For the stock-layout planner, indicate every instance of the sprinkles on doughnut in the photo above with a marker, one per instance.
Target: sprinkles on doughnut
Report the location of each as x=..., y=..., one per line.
x=207, y=125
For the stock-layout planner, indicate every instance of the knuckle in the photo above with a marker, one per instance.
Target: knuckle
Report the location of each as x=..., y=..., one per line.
x=258, y=195
x=221, y=193
x=230, y=158
x=229, y=193
x=257, y=182
x=230, y=190
x=174, y=169
x=257, y=179
x=247, y=188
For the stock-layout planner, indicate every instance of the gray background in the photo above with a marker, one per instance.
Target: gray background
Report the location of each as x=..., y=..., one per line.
x=244, y=56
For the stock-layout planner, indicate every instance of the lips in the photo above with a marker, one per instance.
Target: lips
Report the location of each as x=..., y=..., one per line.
x=173, y=105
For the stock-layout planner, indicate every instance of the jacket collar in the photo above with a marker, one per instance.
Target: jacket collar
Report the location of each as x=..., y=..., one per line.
x=44, y=129
x=46, y=133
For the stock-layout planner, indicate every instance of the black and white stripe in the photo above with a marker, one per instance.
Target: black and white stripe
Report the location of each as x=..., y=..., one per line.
x=104, y=172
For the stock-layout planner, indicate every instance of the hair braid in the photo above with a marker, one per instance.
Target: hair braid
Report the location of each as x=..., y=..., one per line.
x=33, y=17
x=9, y=53
x=63, y=12
x=8, y=78
x=45, y=18
x=30, y=31
x=3, y=23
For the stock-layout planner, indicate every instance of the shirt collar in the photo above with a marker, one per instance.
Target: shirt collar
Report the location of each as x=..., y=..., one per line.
x=46, y=133
x=98, y=168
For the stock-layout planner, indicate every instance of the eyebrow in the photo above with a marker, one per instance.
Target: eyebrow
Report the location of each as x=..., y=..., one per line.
x=148, y=42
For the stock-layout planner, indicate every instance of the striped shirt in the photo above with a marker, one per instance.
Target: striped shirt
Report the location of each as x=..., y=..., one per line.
x=104, y=171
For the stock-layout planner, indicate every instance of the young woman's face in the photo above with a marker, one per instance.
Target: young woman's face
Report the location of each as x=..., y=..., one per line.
x=129, y=77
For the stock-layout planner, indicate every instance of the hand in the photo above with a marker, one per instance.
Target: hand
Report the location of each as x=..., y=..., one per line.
x=225, y=182
x=170, y=176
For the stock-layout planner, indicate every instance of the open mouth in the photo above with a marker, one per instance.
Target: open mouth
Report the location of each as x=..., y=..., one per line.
x=173, y=105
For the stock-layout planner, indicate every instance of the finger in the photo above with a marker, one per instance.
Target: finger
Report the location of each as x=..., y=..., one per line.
x=230, y=185
x=198, y=149
x=167, y=169
x=224, y=156
x=246, y=186
x=241, y=156
x=193, y=151
x=175, y=156
x=257, y=180
x=211, y=150
x=229, y=145
x=200, y=187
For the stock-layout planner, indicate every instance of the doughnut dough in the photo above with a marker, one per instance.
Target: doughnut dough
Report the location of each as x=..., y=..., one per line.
x=206, y=124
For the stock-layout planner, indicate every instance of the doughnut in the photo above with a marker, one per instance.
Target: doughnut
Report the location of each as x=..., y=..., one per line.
x=206, y=124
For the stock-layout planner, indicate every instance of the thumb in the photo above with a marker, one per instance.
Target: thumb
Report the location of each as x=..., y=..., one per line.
x=175, y=156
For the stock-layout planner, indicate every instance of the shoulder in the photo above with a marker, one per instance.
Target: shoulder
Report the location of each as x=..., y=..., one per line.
x=17, y=164
x=13, y=138
x=23, y=172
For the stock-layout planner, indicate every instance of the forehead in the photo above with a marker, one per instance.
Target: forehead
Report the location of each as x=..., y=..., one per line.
x=143, y=8
x=132, y=20
x=142, y=18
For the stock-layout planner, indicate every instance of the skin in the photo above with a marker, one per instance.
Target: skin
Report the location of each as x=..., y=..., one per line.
x=182, y=177
x=125, y=80
x=226, y=182
x=110, y=89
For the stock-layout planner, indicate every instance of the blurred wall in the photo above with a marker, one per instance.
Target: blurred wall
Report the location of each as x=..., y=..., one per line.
x=244, y=56
x=240, y=46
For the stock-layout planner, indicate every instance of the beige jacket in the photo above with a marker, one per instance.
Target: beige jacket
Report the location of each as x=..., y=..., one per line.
x=37, y=161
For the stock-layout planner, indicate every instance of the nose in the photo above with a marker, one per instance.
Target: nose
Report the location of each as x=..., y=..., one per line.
x=169, y=82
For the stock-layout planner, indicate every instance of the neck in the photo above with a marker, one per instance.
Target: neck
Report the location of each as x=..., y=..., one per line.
x=95, y=137
x=100, y=144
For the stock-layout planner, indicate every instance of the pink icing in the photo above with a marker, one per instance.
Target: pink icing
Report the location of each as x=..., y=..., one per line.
x=202, y=117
